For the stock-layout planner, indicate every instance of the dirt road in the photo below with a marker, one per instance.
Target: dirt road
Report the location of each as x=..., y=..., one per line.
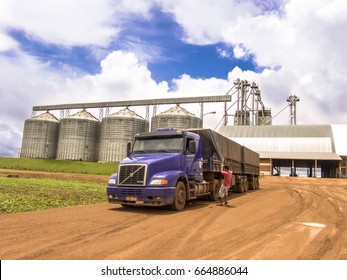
x=288, y=218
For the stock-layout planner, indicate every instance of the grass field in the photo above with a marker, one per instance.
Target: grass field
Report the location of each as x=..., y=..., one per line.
x=67, y=166
x=29, y=194
x=20, y=195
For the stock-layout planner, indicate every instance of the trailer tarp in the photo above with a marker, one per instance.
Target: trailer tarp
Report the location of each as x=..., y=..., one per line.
x=218, y=146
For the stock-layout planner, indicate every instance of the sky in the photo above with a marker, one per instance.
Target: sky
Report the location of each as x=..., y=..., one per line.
x=73, y=51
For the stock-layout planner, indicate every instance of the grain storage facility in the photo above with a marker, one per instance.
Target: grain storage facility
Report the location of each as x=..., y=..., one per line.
x=40, y=137
x=295, y=150
x=176, y=117
x=117, y=131
x=78, y=137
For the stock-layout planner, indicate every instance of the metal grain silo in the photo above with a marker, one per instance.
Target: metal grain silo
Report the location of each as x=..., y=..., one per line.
x=78, y=137
x=40, y=137
x=176, y=117
x=117, y=130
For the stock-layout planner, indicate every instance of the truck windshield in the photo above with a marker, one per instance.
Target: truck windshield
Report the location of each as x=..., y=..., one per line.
x=158, y=145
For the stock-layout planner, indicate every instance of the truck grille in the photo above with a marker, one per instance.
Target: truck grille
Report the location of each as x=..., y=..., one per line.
x=132, y=191
x=134, y=175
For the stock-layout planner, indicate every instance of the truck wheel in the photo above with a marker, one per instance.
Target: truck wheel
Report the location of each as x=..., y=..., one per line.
x=246, y=184
x=251, y=185
x=180, y=197
x=214, y=196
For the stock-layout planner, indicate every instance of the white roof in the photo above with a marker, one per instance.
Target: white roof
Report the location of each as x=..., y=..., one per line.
x=286, y=142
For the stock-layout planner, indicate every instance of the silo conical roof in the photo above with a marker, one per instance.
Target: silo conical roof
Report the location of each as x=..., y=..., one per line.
x=45, y=117
x=83, y=115
x=125, y=113
x=178, y=111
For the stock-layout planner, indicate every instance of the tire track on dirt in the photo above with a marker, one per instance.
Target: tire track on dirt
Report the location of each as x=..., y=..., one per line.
x=169, y=239
x=333, y=239
x=258, y=230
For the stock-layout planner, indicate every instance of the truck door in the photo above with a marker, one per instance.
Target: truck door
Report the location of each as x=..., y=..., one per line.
x=189, y=158
x=191, y=166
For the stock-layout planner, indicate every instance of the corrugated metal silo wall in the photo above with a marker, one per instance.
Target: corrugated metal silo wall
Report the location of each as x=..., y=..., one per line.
x=175, y=121
x=78, y=139
x=40, y=138
x=115, y=134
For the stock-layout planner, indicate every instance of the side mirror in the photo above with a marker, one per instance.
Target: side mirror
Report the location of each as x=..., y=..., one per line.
x=192, y=147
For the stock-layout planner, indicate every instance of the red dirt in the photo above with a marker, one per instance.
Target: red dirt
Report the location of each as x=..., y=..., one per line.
x=288, y=218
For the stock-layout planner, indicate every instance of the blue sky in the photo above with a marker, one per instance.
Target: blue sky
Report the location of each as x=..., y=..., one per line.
x=161, y=33
x=63, y=51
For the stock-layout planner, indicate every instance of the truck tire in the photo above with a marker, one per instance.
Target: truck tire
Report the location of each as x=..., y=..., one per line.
x=246, y=186
x=180, y=197
x=214, y=196
x=251, y=183
x=257, y=183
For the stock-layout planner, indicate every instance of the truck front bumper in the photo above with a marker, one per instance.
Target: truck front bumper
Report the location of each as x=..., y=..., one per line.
x=153, y=196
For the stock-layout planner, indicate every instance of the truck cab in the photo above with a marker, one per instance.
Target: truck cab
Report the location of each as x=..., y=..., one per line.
x=164, y=167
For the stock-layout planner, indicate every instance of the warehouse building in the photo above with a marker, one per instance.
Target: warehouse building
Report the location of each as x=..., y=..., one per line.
x=295, y=150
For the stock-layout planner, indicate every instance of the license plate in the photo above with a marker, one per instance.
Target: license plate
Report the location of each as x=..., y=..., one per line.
x=131, y=198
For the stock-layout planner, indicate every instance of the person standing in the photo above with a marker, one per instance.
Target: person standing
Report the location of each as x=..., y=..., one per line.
x=227, y=180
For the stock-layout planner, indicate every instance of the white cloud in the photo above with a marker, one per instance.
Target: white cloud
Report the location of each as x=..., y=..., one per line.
x=302, y=47
x=7, y=43
x=304, y=40
x=62, y=22
x=239, y=52
x=24, y=82
x=203, y=21
x=122, y=77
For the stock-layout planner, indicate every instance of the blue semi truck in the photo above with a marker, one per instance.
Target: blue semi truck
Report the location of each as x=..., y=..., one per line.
x=171, y=167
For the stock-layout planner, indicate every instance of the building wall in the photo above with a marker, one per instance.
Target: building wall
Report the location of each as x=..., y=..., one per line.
x=265, y=166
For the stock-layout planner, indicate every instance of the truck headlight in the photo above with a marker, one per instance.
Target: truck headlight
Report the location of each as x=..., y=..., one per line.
x=112, y=182
x=159, y=182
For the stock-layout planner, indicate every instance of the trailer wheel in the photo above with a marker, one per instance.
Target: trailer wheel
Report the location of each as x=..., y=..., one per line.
x=180, y=197
x=251, y=183
x=214, y=196
x=246, y=184
x=257, y=182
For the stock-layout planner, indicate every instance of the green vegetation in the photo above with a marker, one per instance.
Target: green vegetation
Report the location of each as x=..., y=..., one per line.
x=20, y=195
x=50, y=165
